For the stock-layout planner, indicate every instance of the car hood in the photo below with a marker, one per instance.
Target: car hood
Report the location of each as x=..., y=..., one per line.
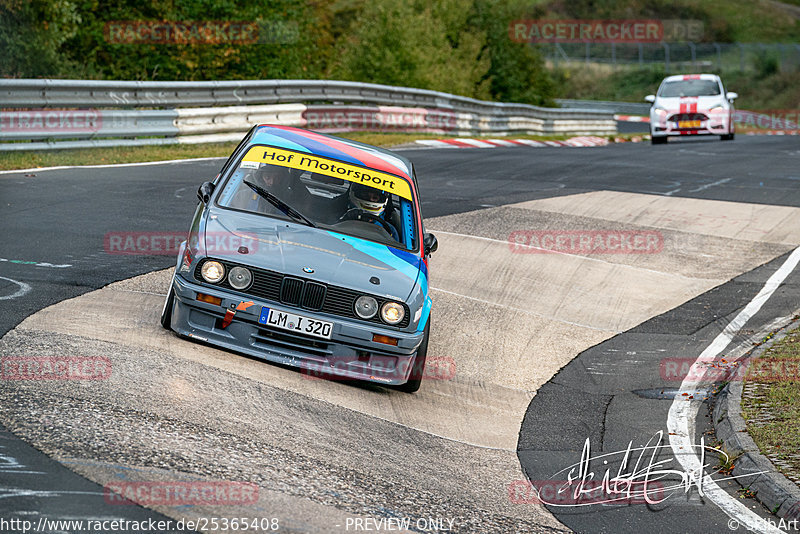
x=336, y=259
x=703, y=102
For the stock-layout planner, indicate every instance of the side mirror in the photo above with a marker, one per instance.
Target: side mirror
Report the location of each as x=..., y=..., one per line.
x=430, y=243
x=204, y=192
x=650, y=98
x=731, y=95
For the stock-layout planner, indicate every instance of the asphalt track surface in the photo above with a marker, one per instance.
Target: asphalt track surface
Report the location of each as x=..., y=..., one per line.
x=59, y=217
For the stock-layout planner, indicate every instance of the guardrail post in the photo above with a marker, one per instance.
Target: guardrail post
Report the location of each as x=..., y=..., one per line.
x=693, y=48
x=666, y=57
x=641, y=54
x=797, y=63
x=741, y=57
x=719, y=56
x=614, y=54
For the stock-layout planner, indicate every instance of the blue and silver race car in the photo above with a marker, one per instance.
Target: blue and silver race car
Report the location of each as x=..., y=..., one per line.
x=309, y=250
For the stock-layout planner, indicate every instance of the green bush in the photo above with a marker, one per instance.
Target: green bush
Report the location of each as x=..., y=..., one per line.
x=32, y=35
x=447, y=45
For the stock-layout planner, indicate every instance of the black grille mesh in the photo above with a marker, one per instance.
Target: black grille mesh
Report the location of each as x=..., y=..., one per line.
x=292, y=291
x=313, y=296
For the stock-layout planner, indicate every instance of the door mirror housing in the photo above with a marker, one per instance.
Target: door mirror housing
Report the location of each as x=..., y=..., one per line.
x=650, y=98
x=205, y=191
x=731, y=96
x=430, y=243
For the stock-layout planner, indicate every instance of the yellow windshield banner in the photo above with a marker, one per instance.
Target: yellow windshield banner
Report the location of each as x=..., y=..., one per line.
x=309, y=162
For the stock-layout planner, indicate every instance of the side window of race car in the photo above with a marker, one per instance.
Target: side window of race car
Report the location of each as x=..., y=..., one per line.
x=234, y=156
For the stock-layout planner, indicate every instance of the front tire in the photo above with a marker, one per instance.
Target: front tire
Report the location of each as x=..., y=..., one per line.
x=660, y=140
x=166, y=313
x=418, y=367
x=726, y=137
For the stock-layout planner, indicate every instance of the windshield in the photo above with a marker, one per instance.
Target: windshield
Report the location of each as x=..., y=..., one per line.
x=379, y=208
x=689, y=88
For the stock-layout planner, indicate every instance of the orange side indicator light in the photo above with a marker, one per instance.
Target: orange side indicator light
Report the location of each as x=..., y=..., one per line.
x=202, y=297
x=386, y=340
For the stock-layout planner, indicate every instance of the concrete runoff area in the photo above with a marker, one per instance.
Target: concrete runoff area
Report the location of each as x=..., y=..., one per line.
x=173, y=409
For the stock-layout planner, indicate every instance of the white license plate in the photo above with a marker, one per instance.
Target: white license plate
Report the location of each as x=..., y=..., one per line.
x=295, y=323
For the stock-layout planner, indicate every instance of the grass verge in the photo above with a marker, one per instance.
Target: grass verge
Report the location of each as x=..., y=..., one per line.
x=105, y=156
x=771, y=404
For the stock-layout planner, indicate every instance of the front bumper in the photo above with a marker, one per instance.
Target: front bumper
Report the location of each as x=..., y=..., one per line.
x=349, y=354
x=714, y=125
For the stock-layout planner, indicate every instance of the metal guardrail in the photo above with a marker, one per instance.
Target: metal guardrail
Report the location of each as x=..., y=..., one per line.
x=180, y=111
x=621, y=108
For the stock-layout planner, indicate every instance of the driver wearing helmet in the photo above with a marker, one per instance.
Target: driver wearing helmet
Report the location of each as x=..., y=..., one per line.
x=374, y=202
x=274, y=179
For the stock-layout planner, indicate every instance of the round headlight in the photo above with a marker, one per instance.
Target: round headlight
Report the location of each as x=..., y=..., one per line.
x=392, y=312
x=213, y=271
x=366, y=307
x=240, y=278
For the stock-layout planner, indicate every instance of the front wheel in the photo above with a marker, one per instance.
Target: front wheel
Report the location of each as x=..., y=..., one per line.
x=166, y=313
x=726, y=137
x=418, y=367
x=660, y=140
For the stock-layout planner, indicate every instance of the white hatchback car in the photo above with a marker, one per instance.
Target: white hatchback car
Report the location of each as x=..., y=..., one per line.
x=691, y=104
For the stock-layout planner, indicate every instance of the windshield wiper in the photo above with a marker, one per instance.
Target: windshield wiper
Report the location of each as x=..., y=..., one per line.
x=285, y=208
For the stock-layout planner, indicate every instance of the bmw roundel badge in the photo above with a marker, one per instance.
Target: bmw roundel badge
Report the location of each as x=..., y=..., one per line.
x=308, y=270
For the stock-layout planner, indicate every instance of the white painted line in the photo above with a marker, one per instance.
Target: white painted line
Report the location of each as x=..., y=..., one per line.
x=111, y=165
x=712, y=184
x=682, y=413
x=37, y=264
x=23, y=289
